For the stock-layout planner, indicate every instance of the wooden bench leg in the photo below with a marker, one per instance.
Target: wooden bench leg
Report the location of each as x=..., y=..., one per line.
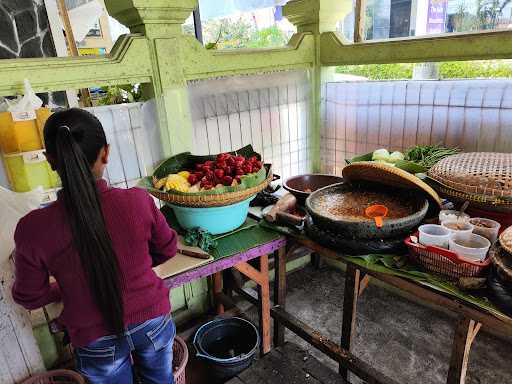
x=465, y=334
x=264, y=307
x=279, y=293
x=217, y=289
x=262, y=279
x=351, y=293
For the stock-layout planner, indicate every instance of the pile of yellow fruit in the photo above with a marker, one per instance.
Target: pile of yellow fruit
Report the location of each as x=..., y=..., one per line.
x=175, y=181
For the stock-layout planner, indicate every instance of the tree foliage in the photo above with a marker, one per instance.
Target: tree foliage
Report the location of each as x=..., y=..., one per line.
x=240, y=33
x=485, y=69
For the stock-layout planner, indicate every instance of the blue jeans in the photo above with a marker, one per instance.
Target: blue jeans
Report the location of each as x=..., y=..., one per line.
x=109, y=359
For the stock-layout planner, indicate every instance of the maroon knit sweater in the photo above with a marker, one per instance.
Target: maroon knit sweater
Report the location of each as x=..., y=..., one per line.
x=141, y=239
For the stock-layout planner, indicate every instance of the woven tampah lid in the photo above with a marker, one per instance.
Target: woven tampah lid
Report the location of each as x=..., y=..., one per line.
x=502, y=262
x=488, y=174
x=506, y=240
x=380, y=173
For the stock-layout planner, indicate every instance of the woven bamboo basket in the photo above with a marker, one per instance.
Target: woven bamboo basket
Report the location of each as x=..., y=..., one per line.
x=212, y=200
x=502, y=261
x=388, y=175
x=506, y=240
x=483, y=178
x=61, y=376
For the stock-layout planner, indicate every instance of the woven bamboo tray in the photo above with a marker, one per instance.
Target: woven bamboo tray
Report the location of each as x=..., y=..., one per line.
x=213, y=199
x=388, y=175
x=506, y=240
x=480, y=177
x=502, y=261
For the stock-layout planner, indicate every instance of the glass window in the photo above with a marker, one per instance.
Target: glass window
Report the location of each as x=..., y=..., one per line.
x=244, y=24
x=384, y=19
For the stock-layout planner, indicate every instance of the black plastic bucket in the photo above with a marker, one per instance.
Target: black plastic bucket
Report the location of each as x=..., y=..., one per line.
x=228, y=346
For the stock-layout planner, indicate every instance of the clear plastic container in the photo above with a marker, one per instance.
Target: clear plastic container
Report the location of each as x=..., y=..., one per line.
x=486, y=227
x=433, y=234
x=30, y=170
x=456, y=227
x=22, y=133
x=475, y=248
x=451, y=214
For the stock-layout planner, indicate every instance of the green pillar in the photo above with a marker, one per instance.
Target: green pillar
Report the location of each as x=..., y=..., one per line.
x=316, y=16
x=160, y=22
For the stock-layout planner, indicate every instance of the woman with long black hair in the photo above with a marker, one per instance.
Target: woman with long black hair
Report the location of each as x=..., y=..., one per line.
x=100, y=244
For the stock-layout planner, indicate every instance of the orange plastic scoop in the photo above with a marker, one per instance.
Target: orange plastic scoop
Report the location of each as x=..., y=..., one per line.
x=377, y=212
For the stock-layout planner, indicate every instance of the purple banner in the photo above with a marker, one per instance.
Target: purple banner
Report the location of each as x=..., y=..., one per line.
x=436, y=19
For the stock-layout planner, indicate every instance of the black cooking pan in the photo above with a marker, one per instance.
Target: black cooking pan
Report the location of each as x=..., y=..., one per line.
x=366, y=228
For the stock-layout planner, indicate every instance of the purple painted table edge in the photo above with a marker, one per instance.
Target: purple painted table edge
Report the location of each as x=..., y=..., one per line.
x=224, y=263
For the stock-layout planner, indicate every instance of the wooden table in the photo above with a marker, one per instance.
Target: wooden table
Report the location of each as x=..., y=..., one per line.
x=239, y=262
x=470, y=319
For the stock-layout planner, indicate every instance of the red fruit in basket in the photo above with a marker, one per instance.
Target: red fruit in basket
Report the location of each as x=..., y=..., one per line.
x=219, y=173
x=240, y=172
x=239, y=163
x=258, y=165
x=228, y=170
x=192, y=179
x=208, y=186
x=221, y=164
x=238, y=179
x=210, y=176
x=209, y=163
x=239, y=158
x=248, y=168
x=230, y=161
x=223, y=156
x=199, y=167
x=199, y=175
x=227, y=180
x=253, y=159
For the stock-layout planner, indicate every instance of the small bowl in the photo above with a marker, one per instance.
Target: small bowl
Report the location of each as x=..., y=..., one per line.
x=452, y=215
x=475, y=248
x=303, y=185
x=460, y=228
x=433, y=234
x=486, y=227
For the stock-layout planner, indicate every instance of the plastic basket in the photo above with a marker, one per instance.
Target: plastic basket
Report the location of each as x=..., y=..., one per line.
x=60, y=376
x=179, y=360
x=445, y=262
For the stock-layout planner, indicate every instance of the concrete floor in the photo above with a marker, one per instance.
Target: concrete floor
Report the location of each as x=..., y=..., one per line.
x=400, y=338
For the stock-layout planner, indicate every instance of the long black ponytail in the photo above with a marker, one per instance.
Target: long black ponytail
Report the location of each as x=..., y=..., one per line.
x=73, y=139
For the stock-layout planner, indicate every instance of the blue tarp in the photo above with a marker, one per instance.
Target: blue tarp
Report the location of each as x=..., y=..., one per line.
x=211, y=9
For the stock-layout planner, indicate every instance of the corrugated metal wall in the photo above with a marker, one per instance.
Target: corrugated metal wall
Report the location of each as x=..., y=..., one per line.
x=359, y=117
x=134, y=139
x=270, y=111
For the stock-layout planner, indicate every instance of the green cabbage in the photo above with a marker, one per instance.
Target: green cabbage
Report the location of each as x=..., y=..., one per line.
x=396, y=156
x=380, y=154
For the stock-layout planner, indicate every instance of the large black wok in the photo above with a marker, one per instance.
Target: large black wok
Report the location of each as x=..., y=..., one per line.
x=366, y=228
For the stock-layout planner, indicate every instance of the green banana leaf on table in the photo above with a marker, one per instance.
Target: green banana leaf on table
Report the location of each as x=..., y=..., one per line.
x=398, y=265
x=248, y=236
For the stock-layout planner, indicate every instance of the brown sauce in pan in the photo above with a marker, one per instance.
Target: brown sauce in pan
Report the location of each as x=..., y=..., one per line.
x=351, y=205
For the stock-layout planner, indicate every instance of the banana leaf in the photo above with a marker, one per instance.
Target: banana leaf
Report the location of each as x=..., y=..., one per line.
x=365, y=157
x=399, y=266
x=405, y=165
x=186, y=161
